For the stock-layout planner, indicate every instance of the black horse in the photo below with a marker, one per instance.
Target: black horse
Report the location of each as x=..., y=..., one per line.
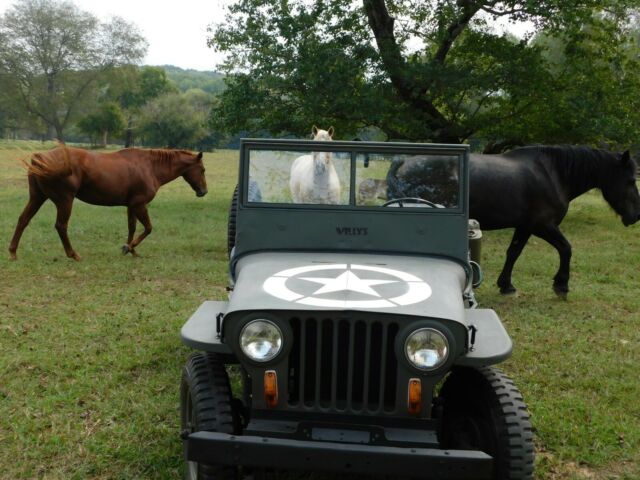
x=529, y=189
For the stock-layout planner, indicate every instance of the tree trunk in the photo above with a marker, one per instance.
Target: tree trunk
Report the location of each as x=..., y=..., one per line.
x=51, y=132
x=128, y=140
x=59, y=134
x=105, y=135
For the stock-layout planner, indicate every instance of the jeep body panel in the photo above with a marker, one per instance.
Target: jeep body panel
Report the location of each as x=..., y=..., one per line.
x=394, y=284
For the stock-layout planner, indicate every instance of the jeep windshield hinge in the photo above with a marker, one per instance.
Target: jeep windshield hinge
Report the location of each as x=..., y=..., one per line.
x=472, y=336
x=219, y=321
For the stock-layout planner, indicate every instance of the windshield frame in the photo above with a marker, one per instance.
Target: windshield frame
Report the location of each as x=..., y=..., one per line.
x=354, y=148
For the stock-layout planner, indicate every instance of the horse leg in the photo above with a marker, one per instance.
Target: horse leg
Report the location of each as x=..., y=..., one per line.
x=127, y=248
x=143, y=215
x=36, y=199
x=554, y=236
x=62, y=222
x=519, y=240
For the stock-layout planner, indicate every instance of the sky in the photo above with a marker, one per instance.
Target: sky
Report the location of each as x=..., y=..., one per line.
x=175, y=30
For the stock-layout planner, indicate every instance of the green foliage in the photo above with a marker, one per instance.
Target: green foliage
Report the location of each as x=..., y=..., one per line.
x=210, y=82
x=589, y=97
x=53, y=53
x=175, y=120
x=147, y=83
x=109, y=119
x=313, y=77
x=435, y=71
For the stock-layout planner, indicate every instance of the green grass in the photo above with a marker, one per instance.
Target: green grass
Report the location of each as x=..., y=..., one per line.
x=90, y=355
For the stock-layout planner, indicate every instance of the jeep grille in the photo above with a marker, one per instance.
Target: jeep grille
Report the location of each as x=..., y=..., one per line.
x=343, y=365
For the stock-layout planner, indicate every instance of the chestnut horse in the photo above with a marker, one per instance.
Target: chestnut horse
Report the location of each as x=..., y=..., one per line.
x=128, y=177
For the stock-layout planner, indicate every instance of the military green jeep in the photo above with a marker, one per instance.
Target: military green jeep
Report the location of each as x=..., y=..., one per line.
x=352, y=324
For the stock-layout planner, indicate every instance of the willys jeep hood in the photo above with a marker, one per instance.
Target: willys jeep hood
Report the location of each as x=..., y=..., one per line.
x=403, y=285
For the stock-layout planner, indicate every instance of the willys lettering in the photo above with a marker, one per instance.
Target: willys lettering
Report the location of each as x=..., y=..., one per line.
x=352, y=230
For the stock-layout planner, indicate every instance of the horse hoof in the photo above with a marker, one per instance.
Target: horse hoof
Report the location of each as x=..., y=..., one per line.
x=561, y=292
x=125, y=249
x=75, y=256
x=12, y=256
x=510, y=290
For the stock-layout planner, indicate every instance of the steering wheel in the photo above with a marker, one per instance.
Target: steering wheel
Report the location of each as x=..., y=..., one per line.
x=401, y=201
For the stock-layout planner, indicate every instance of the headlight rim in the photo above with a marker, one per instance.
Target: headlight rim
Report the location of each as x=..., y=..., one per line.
x=270, y=321
x=440, y=329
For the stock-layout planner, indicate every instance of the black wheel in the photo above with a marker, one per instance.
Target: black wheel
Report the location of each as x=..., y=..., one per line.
x=483, y=410
x=206, y=404
x=231, y=223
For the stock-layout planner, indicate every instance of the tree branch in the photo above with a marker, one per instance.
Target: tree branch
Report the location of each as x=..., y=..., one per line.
x=381, y=24
x=469, y=9
x=500, y=13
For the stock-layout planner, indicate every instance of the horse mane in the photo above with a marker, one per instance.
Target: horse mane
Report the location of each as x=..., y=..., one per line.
x=162, y=156
x=580, y=166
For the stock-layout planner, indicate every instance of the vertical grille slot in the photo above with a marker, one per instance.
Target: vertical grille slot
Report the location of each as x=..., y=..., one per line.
x=309, y=360
x=342, y=377
x=391, y=372
x=344, y=365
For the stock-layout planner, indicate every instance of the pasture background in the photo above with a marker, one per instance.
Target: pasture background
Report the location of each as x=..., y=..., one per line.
x=90, y=355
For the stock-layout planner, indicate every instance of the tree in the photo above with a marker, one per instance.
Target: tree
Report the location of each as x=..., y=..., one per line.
x=175, y=120
x=109, y=119
x=434, y=70
x=591, y=99
x=54, y=52
x=139, y=87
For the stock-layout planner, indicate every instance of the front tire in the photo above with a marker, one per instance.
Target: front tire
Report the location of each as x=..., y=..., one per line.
x=206, y=404
x=483, y=410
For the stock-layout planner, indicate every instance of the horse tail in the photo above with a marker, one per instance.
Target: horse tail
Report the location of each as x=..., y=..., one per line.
x=394, y=188
x=50, y=164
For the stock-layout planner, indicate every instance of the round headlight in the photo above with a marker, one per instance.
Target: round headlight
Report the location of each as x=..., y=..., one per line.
x=261, y=340
x=426, y=349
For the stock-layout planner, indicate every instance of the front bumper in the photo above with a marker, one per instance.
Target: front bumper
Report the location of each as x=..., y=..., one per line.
x=284, y=453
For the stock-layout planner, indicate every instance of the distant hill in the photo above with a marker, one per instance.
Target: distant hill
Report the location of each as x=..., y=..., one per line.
x=209, y=81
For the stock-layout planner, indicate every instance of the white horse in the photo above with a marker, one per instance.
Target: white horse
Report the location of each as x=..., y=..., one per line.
x=313, y=177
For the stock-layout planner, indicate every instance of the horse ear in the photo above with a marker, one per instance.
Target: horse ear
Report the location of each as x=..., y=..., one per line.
x=330, y=131
x=314, y=130
x=626, y=157
x=200, y=156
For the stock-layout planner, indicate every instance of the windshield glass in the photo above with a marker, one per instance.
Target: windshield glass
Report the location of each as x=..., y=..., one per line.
x=325, y=178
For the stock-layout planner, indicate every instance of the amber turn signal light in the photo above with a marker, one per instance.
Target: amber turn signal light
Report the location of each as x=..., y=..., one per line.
x=271, y=388
x=414, y=397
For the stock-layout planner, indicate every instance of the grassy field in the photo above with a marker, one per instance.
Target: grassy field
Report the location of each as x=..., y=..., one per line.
x=90, y=355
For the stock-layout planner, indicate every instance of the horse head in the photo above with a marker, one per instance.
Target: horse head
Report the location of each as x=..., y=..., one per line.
x=322, y=135
x=194, y=173
x=325, y=157
x=620, y=189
